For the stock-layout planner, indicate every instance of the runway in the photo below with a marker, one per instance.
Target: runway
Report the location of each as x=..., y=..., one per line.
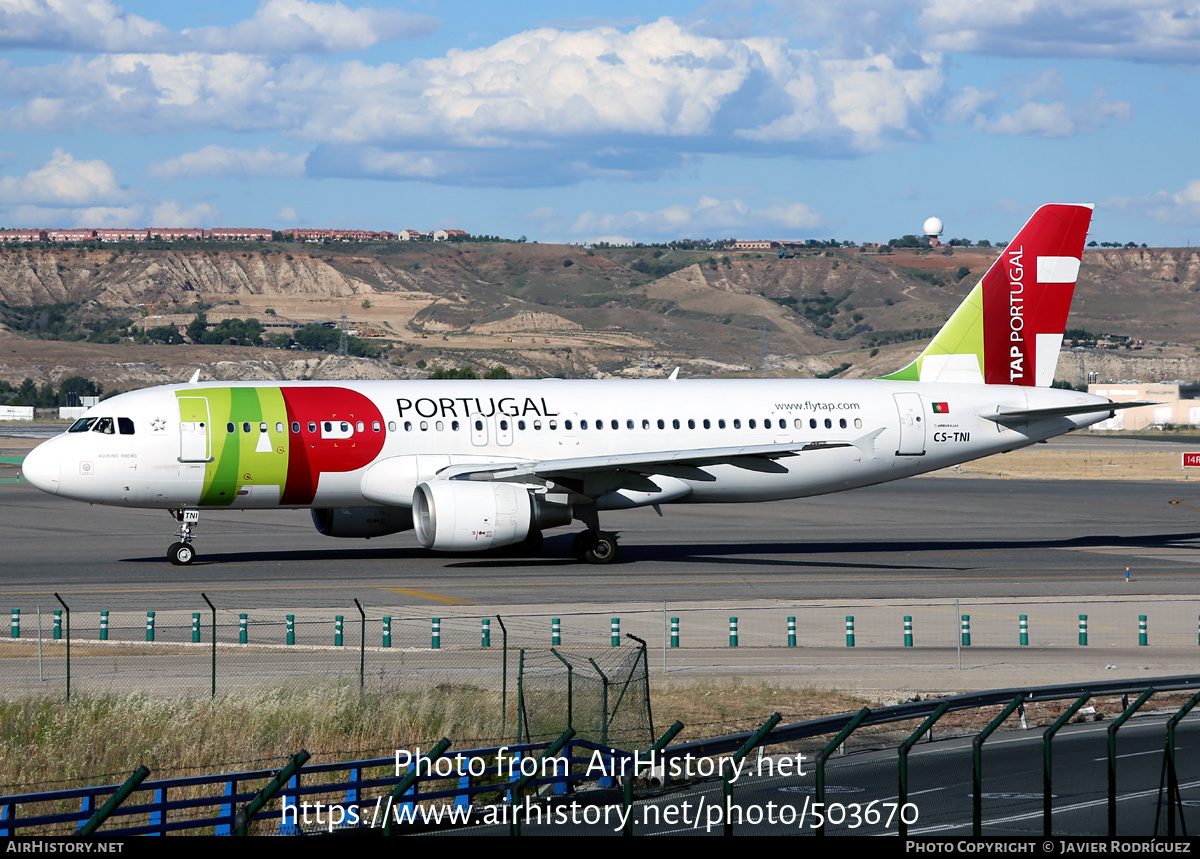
x=926, y=537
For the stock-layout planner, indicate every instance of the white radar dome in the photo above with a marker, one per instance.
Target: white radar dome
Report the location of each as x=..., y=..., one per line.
x=933, y=226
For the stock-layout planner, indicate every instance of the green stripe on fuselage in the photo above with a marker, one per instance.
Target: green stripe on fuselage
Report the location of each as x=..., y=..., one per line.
x=237, y=461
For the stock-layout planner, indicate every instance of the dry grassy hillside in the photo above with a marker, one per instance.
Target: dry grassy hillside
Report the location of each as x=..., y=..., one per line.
x=553, y=309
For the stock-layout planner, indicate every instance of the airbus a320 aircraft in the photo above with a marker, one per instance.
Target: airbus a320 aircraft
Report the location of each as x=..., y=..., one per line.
x=474, y=465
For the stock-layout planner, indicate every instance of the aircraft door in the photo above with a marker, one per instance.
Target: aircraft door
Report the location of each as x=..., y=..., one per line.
x=479, y=430
x=912, y=425
x=504, y=429
x=194, y=445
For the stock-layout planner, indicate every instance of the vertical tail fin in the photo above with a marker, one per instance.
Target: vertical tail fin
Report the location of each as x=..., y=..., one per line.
x=1009, y=329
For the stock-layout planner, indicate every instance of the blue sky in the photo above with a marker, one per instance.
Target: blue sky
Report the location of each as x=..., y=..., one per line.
x=621, y=121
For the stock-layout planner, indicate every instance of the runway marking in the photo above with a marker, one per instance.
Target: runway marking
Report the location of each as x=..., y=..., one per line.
x=426, y=595
x=1181, y=502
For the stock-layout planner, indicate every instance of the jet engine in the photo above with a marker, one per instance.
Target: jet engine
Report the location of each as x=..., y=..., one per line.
x=470, y=516
x=361, y=521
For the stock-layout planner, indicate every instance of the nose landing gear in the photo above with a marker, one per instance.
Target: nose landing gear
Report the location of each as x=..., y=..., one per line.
x=183, y=552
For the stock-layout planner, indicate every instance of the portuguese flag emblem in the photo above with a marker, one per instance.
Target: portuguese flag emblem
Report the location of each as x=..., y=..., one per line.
x=941, y=408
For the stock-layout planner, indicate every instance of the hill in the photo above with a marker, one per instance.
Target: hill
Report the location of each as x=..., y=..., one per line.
x=551, y=309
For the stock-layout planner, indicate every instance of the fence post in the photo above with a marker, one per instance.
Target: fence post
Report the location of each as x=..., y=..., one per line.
x=104, y=626
x=1113, y=727
x=908, y=639
x=902, y=768
x=977, y=764
x=849, y=630
x=1047, y=766
x=114, y=801
x=733, y=632
x=67, y=609
x=727, y=781
x=213, y=609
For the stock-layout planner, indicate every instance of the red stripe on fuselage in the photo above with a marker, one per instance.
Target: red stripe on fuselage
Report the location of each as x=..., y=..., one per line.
x=310, y=453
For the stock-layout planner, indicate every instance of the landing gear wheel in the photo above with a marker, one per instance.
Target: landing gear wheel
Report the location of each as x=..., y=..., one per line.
x=603, y=549
x=181, y=554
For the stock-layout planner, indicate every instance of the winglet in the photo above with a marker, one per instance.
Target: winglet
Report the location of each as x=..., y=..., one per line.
x=195, y=377
x=674, y=375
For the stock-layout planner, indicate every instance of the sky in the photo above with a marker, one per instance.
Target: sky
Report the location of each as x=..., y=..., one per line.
x=617, y=121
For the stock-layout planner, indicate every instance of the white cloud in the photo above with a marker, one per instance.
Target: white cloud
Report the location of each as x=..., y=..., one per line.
x=1167, y=207
x=1057, y=119
x=287, y=215
x=1143, y=30
x=221, y=161
x=277, y=27
x=65, y=181
x=171, y=214
x=710, y=216
x=290, y=26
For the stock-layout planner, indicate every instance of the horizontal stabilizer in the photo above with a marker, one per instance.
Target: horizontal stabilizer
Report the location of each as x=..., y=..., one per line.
x=1022, y=416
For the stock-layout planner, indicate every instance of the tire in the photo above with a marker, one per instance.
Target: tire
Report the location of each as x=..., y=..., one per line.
x=181, y=554
x=604, y=551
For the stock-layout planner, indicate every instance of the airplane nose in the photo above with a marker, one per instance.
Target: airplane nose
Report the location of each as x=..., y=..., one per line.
x=41, y=468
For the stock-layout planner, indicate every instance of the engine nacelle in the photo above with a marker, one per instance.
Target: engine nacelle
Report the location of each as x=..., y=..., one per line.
x=470, y=516
x=361, y=521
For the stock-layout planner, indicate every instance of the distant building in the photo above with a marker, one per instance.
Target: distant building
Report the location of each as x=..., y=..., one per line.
x=754, y=245
x=240, y=234
x=1179, y=404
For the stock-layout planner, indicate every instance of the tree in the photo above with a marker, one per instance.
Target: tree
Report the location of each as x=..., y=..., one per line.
x=197, y=328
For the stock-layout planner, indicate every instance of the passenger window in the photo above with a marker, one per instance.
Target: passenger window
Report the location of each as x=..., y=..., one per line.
x=582, y=425
x=537, y=425
x=767, y=423
x=675, y=423
x=799, y=424
x=360, y=426
x=661, y=425
x=295, y=426
x=566, y=425
x=691, y=423
x=454, y=426
x=408, y=426
x=125, y=425
x=230, y=428
x=440, y=426
x=479, y=425
x=279, y=426
x=391, y=426
x=721, y=423
x=842, y=423
x=828, y=423
x=628, y=425
x=521, y=425
x=858, y=423
x=344, y=427
x=312, y=426
x=504, y=425
x=424, y=426
x=812, y=423
x=600, y=425
x=645, y=423
x=246, y=426
x=707, y=425
x=752, y=423
x=737, y=423
x=375, y=426
x=553, y=425
x=262, y=427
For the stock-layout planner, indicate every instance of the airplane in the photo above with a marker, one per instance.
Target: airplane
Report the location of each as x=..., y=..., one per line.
x=476, y=465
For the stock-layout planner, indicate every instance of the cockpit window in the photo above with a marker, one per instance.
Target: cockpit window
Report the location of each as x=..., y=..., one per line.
x=104, y=425
x=82, y=425
x=125, y=425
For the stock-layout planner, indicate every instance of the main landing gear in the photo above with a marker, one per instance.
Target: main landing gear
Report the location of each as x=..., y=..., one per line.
x=595, y=547
x=183, y=552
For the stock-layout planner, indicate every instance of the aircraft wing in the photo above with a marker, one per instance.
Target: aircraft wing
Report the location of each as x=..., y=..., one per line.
x=759, y=457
